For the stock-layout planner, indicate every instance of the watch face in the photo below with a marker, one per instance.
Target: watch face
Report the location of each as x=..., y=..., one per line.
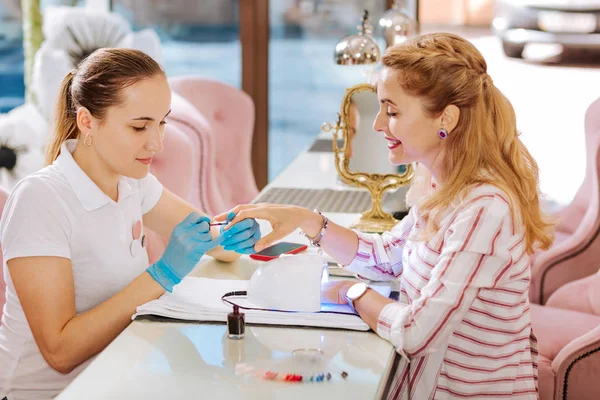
x=356, y=290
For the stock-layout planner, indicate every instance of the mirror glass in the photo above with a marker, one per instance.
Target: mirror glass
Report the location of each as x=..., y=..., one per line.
x=367, y=150
x=364, y=162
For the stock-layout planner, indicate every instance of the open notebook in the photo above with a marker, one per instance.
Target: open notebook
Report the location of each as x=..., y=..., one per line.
x=199, y=299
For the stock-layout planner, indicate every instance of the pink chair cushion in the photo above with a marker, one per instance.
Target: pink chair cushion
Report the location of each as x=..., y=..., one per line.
x=560, y=236
x=555, y=327
x=571, y=216
x=577, y=368
x=582, y=295
x=546, y=378
x=172, y=167
x=229, y=113
x=208, y=139
x=187, y=119
x=3, y=198
x=575, y=253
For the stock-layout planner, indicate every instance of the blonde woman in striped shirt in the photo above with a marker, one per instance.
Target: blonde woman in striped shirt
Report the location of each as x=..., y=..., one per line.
x=462, y=323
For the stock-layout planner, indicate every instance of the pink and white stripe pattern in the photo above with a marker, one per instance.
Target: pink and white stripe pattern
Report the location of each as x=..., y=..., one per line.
x=462, y=322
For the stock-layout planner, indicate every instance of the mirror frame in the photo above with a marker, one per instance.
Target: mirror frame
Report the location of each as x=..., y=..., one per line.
x=375, y=219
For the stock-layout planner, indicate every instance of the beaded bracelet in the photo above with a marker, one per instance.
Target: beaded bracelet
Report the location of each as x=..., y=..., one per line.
x=316, y=241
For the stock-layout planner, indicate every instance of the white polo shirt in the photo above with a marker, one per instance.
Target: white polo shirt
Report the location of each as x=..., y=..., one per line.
x=59, y=211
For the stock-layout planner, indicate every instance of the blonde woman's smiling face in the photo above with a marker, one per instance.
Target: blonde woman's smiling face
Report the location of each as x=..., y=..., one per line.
x=412, y=135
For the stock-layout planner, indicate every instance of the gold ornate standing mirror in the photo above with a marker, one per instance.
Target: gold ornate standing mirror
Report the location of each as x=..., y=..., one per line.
x=363, y=161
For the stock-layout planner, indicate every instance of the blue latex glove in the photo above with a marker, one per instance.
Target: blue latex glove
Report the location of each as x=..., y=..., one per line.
x=190, y=240
x=242, y=236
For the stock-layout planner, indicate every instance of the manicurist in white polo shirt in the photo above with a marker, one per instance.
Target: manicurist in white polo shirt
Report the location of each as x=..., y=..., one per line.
x=72, y=234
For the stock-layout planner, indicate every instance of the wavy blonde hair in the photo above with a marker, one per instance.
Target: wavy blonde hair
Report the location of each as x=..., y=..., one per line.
x=484, y=148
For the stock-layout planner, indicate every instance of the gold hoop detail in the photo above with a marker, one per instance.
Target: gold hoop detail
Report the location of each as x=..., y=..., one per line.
x=87, y=140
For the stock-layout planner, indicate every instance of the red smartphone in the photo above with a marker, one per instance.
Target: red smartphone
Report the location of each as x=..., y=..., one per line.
x=278, y=249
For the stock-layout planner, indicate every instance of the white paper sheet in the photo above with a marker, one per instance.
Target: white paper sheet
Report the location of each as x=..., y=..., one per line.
x=199, y=299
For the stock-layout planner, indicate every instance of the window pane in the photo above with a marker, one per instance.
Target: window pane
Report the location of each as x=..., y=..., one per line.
x=197, y=37
x=12, y=59
x=12, y=88
x=306, y=86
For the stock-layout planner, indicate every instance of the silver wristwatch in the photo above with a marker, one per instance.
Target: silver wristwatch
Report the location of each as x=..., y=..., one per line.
x=355, y=292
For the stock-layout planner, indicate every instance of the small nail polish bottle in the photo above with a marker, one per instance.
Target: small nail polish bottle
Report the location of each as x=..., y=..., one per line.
x=236, y=324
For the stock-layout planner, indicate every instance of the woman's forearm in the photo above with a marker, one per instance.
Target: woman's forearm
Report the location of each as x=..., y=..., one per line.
x=339, y=242
x=369, y=307
x=170, y=211
x=219, y=253
x=89, y=333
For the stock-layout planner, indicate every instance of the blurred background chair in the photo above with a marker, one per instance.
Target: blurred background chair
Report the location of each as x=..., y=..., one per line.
x=207, y=149
x=569, y=348
x=575, y=253
x=565, y=283
x=229, y=116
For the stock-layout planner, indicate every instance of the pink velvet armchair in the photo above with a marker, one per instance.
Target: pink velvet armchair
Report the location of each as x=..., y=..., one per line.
x=576, y=251
x=569, y=348
x=566, y=283
x=207, y=149
x=226, y=132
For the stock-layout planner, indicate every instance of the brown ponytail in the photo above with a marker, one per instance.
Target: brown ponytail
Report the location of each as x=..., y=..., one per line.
x=97, y=84
x=65, y=120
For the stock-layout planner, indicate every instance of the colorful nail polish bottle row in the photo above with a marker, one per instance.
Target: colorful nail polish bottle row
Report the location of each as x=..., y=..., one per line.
x=286, y=377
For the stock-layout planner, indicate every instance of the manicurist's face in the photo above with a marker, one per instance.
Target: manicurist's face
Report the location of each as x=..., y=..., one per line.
x=132, y=132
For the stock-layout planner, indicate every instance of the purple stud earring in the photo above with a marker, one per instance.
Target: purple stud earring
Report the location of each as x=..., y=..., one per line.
x=443, y=133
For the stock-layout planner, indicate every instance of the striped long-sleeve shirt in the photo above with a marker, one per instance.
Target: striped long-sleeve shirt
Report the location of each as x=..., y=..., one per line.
x=462, y=322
